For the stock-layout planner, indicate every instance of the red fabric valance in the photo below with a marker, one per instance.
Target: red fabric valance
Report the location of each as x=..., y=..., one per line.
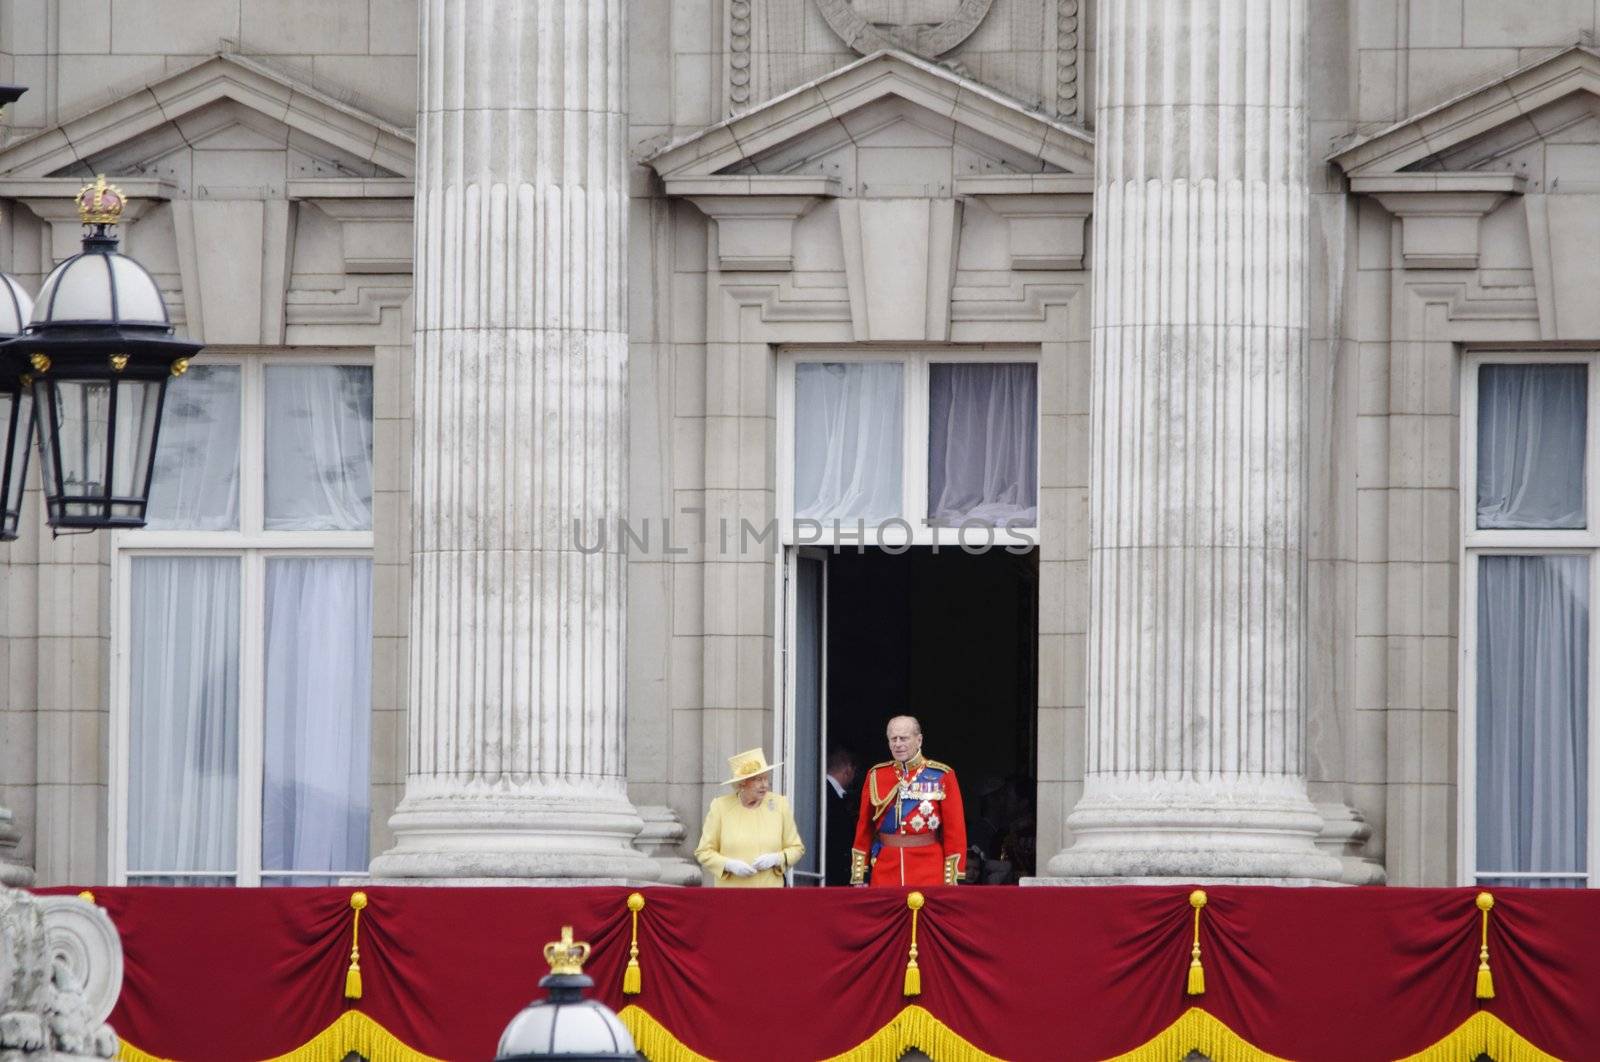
x=1048, y=973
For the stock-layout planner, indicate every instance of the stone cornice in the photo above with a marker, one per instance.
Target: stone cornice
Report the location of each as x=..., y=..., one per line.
x=1502, y=100
x=1439, y=212
x=1045, y=212
x=221, y=77
x=885, y=73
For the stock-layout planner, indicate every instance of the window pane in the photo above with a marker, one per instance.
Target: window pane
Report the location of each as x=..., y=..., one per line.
x=318, y=715
x=184, y=714
x=847, y=440
x=982, y=444
x=195, y=485
x=1532, y=714
x=1531, y=424
x=319, y=448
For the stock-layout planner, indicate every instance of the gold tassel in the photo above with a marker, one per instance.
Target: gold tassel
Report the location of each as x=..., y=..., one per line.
x=1197, y=973
x=1485, y=978
x=86, y=896
x=632, y=976
x=352, y=976
x=913, y=974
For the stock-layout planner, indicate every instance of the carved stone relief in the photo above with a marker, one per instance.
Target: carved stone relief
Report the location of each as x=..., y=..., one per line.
x=739, y=67
x=1068, y=104
x=928, y=28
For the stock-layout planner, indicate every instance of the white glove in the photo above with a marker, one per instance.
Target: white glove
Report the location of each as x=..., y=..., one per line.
x=738, y=868
x=768, y=861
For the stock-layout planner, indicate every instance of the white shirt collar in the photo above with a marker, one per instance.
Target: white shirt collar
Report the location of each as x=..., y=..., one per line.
x=838, y=790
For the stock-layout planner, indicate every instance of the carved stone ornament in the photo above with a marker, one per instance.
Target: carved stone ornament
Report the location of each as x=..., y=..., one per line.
x=928, y=28
x=60, y=974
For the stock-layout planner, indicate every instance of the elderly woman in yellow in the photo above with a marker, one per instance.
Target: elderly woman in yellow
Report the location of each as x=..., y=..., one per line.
x=749, y=838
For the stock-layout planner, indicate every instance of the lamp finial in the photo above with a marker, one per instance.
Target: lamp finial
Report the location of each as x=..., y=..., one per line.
x=100, y=203
x=566, y=956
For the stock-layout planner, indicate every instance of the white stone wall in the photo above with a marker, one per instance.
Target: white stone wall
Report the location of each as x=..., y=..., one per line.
x=1385, y=336
x=77, y=54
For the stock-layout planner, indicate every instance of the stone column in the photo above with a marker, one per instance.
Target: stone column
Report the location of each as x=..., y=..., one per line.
x=1195, y=752
x=516, y=644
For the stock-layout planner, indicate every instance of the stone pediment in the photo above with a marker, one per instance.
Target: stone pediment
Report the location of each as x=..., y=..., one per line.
x=889, y=124
x=1501, y=127
x=1527, y=142
x=219, y=104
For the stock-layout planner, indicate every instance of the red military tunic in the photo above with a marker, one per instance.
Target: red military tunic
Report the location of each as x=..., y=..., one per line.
x=911, y=830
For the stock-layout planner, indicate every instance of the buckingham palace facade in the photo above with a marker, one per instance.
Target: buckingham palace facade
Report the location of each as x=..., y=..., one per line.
x=1181, y=407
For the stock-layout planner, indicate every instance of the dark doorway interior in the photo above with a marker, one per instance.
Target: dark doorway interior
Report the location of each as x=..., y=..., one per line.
x=951, y=638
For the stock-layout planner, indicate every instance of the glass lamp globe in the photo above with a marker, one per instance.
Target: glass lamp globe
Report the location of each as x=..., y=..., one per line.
x=100, y=349
x=565, y=1025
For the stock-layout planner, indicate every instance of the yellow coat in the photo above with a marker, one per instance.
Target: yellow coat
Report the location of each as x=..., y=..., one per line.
x=733, y=831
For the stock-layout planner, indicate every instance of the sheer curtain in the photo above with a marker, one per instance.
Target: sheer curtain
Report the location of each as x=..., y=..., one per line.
x=982, y=443
x=318, y=716
x=195, y=485
x=319, y=448
x=848, y=431
x=184, y=722
x=1533, y=715
x=1531, y=426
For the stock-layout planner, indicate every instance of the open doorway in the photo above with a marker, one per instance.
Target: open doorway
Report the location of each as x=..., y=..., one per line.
x=948, y=636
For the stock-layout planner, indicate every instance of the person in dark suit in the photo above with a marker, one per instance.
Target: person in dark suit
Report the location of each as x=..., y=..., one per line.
x=842, y=800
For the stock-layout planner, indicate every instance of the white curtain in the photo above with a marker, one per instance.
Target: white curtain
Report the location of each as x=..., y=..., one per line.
x=847, y=440
x=1531, y=426
x=184, y=715
x=1532, y=715
x=314, y=810
x=319, y=448
x=195, y=483
x=982, y=444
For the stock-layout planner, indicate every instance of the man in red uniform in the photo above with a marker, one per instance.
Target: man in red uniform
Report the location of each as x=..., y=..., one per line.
x=911, y=829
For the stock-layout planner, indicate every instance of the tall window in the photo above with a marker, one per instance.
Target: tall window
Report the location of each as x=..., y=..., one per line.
x=900, y=448
x=1529, y=574
x=244, y=632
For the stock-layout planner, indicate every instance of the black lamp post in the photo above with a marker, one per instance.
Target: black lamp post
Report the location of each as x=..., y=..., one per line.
x=565, y=1025
x=99, y=352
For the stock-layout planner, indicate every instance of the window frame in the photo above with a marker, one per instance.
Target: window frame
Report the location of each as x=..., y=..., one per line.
x=255, y=547
x=1476, y=544
x=915, y=376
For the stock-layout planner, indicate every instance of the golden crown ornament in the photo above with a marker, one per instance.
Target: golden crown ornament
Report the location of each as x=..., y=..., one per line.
x=566, y=956
x=100, y=203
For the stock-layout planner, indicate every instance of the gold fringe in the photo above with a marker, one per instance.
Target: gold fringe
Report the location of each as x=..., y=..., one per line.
x=1195, y=1030
x=126, y=1052
x=914, y=1027
x=351, y=1032
x=354, y=1032
x=1482, y=1034
x=653, y=1040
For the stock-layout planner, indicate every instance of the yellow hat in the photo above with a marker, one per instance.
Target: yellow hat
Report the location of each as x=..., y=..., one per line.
x=749, y=764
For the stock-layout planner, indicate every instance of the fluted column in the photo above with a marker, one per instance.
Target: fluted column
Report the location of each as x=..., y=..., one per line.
x=516, y=649
x=1195, y=756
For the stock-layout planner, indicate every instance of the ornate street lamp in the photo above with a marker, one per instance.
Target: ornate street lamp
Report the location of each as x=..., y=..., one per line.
x=100, y=350
x=566, y=1025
